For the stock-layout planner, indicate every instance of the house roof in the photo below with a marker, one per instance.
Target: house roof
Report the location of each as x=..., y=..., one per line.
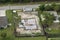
x=3, y=21
x=29, y=24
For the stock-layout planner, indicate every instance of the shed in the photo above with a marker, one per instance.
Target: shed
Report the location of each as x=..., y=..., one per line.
x=3, y=19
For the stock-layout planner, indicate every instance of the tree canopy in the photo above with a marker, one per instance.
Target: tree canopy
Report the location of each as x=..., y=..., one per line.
x=49, y=18
x=24, y=1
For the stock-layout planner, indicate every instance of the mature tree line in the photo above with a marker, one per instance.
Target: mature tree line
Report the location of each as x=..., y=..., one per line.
x=52, y=7
x=24, y=1
x=48, y=17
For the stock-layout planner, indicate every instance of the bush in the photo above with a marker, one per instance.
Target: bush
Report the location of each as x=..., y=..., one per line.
x=48, y=8
x=3, y=35
x=42, y=7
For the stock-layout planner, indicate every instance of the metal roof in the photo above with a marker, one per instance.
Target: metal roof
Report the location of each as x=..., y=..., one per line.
x=3, y=21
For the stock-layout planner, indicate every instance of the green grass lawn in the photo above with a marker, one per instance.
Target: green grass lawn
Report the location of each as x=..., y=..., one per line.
x=10, y=31
x=53, y=38
x=32, y=38
x=53, y=31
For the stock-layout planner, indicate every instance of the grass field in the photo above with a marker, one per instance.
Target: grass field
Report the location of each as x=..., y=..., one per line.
x=32, y=38
x=53, y=31
x=53, y=38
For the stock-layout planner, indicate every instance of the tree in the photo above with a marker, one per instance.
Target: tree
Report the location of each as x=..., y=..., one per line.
x=42, y=7
x=48, y=18
x=48, y=7
x=26, y=1
x=56, y=8
x=3, y=35
x=3, y=1
x=53, y=5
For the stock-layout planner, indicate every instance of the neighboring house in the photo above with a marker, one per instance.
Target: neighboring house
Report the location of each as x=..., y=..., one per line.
x=3, y=19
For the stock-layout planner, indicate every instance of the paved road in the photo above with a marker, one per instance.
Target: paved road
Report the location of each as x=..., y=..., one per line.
x=20, y=7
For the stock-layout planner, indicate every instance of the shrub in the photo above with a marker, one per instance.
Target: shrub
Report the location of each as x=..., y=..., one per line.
x=3, y=35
